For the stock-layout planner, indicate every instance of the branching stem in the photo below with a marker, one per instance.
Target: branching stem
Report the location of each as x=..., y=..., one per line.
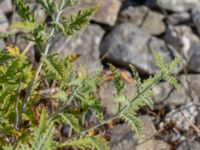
x=32, y=83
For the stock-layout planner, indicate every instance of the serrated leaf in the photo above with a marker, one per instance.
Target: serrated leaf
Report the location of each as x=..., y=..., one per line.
x=133, y=121
x=148, y=101
x=71, y=120
x=75, y=22
x=118, y=82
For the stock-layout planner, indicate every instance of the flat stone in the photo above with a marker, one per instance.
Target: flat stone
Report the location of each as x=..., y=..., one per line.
x=180, y=18
x=3, y=22
x=149, y=21
x=87, y=46
x=178, y=5
x=108, y=11
x=127, y=44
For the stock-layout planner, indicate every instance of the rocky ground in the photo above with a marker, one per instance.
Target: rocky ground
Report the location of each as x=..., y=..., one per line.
x=123, y=32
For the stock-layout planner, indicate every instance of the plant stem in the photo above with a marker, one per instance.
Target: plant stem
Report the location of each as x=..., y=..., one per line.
x=117, y=114
x=31, y=85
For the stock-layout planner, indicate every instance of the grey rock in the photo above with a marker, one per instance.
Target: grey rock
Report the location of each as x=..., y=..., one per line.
x=189, y=145
x=178, y=5
x=6, y=6
x=195, y=13
x=182, y=38
x=149, y=21
x=122, y=138
x=3, y=22
x=108, y=11
x=165, y=93
x=161, y=92
x=194, y=61
x=87, y=46
x=191, y=82
x=127, y=44
x=180, y=18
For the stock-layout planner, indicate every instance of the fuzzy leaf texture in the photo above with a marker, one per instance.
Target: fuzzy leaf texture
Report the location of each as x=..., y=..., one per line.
x=54, y=67
x=48, y=5
x=85, y=142
x=71, y=120
x=133, y=121
x=75, y=22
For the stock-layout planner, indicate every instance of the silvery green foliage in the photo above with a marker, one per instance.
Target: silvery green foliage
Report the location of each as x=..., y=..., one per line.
x=75, y=94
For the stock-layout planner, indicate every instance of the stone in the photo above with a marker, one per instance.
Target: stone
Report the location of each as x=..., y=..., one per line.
x=180, y=18
x=181, y=37
x=166, y=94
x=3, y=22
x=6, y=6
x=195, y=13
x=122, y=138
x=194, y=84
x=108, y=11
x=87, y=46
x=189, y=145
x=153, y=144
x=178, y=5
x=161, y=92
x=149, y=21
x=194, y=61
x=127, y=44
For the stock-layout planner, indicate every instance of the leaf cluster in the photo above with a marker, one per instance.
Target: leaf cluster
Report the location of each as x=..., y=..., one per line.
x=75, y=96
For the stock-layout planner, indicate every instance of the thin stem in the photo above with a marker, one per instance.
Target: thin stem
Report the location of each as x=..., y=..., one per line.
x=17, y=119
x=61, y=109
x=116, y=115
x=31, y=85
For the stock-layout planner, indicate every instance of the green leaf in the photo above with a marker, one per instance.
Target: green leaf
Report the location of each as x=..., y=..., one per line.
x=61, y=95
x=26, y=26
x=172, y=81
x=85, y=142
x=54, y=67
x=69, y=3
x=24, y=11
x=75, y=22
x=158, y=60
x=133, y=121
x=48, y=5
x=71, y=120
x=118, y=82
